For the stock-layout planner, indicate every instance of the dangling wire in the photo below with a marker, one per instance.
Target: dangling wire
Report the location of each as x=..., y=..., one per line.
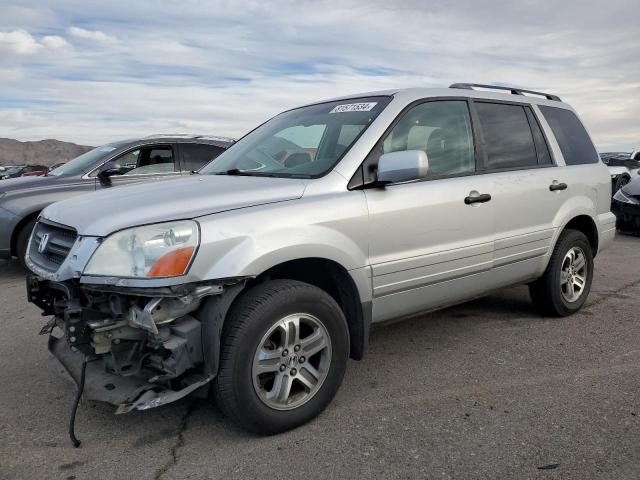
x=74, y=408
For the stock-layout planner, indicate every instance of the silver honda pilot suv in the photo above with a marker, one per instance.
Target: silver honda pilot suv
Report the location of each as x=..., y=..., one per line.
x=255, y=280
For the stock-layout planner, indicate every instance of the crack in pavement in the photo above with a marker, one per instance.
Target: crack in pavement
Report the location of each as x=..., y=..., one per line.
x=177, y=446
x=604, y=296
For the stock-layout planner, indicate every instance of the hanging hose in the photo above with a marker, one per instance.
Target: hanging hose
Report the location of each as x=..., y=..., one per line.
x=74, y=408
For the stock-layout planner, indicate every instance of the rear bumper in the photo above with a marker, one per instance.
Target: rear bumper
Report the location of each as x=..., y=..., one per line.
x=606, y=230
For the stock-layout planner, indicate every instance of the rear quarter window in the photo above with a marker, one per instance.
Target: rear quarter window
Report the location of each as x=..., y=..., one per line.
x=573, y=139
x=195, y=155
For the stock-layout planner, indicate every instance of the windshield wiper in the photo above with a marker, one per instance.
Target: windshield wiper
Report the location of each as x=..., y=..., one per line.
x=236, y=171
x=249, y=173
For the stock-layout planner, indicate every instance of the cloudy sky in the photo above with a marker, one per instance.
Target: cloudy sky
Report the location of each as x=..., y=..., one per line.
x=95, y=72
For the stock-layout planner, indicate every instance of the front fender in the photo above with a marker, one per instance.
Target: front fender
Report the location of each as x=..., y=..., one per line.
x=249, y=258
x=246, y=243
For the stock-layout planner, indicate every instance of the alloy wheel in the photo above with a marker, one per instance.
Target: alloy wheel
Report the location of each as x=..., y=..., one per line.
x=291, y=362
x=573, y=274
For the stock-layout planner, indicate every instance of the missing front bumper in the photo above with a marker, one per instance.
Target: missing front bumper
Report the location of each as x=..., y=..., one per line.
x=126, y=393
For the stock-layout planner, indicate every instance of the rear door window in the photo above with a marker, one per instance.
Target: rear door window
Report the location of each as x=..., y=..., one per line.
x=195, y=156
x=508, y=141
x=149, y=160
x=573, y=139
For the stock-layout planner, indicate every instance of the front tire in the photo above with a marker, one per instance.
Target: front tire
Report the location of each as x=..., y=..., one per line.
x=566, y=282
x=285, y=346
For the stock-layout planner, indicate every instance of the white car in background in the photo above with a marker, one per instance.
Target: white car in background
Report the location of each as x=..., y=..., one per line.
x=623, y=166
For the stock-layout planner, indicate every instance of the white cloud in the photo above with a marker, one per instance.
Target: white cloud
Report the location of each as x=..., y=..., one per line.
x=91, y=35
x=138, y=67
x=18, y=42
x=54, y=41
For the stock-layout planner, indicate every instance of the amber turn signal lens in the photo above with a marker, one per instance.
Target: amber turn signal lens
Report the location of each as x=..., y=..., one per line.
x=172, y=264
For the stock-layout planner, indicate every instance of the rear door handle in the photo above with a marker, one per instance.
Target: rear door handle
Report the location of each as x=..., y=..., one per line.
x=557, y=186
x=481, y=198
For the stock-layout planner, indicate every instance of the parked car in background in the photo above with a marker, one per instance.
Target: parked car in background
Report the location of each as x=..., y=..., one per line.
x=4, y=169
x=15, y=172
x=263, y=273
x=36, y=173
x=626, y=206
x=623, y=166
x=119, y=163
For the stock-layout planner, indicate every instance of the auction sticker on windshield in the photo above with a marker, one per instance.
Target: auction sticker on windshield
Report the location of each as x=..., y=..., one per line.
x=354, y=107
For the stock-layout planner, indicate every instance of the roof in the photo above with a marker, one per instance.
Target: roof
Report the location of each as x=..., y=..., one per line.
x=462, y=90
x=184, y=137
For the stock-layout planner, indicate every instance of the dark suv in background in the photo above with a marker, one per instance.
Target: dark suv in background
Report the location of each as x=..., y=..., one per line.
x=119, y=163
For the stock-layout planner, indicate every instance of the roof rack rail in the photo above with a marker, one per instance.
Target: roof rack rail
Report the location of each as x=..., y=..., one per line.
x=513, y=90
x=171, y=135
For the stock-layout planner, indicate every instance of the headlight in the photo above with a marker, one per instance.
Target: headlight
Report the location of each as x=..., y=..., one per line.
x=160, y=250
x=624, y=198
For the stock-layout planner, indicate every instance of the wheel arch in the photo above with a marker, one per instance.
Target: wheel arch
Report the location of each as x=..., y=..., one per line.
x=585, y=224
x=18, y=228
x=339, y=283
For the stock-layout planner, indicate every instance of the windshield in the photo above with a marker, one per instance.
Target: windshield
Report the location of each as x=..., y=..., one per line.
x=306, y=142
x=84, y=162
x=14, y=170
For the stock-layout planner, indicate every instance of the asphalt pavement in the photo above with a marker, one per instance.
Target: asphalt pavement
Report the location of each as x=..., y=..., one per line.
x=488, y=389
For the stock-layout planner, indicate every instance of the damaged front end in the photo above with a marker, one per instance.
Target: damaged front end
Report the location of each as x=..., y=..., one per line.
x=143, y=347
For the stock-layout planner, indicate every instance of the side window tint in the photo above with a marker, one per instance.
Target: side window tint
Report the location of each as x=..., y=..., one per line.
x=508, y=140
x=441, y=129
x=574, y=141
x=542, y=149
x=129, y=161
x=153, y=160
x=195, y=156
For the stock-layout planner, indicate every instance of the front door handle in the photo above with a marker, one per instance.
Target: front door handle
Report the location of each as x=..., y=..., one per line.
x=557, y=186
x=480, y=198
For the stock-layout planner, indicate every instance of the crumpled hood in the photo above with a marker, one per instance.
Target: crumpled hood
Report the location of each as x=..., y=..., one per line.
x=105, y=211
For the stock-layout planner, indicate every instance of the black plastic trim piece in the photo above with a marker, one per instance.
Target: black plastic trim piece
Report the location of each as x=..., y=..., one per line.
x=482, y=198
x=557, y=186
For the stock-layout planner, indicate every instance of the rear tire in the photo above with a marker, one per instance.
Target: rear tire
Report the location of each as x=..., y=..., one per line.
x=265, y=384
x=565, y=284
x=22, y=241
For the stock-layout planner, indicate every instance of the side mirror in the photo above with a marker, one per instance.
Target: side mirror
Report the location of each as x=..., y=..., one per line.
x=402, y=166
x=107, y=171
